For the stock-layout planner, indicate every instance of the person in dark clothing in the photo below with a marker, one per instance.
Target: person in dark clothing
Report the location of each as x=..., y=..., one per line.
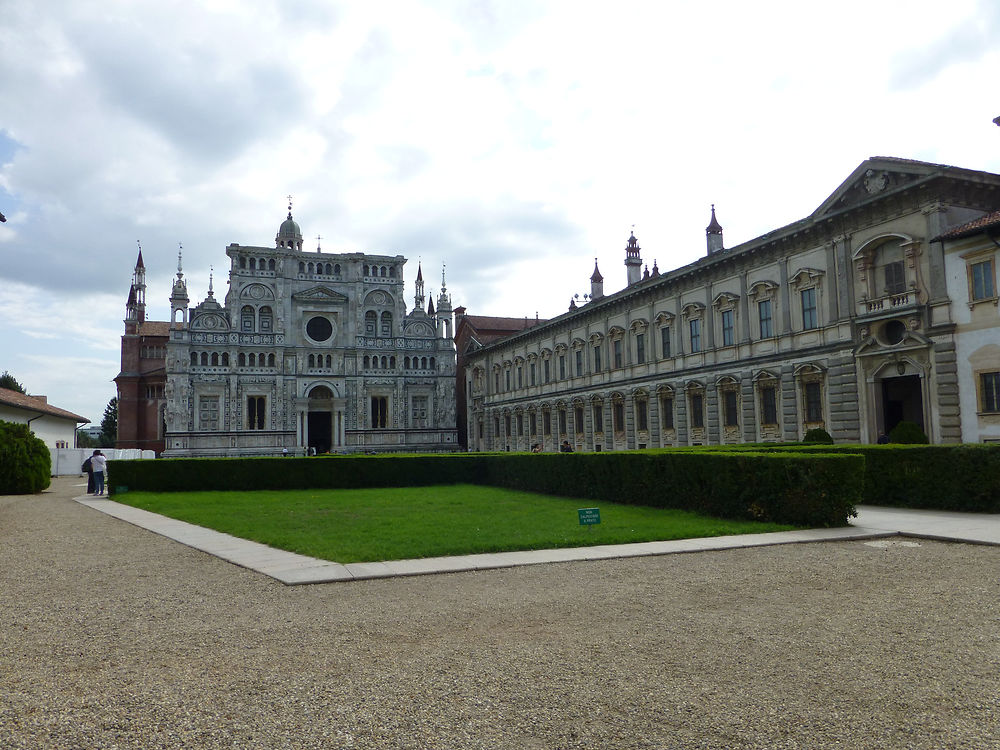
x=566, y=447
x=89, y=471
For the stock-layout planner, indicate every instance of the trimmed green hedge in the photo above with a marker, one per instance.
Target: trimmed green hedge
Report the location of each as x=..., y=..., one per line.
x=807, y=490
x=25, y=461
x=962, y=477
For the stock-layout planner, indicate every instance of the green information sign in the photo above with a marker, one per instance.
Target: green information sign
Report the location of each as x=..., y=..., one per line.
x=589, y=516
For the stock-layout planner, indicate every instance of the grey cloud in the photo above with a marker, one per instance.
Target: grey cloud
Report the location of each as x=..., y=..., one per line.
x=967, y=43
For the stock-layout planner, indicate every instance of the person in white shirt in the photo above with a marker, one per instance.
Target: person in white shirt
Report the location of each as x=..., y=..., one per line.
x=100, y=466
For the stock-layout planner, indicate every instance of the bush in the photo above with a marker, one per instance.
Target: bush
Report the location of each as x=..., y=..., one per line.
x=25, y=461
x=818, y=435
x=907, y=433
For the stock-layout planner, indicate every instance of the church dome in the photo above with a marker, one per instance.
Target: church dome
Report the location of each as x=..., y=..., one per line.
x=289, y=235
x=289, y=229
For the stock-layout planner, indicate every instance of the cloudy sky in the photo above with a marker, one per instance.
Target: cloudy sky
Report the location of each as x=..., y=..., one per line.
x=513, y=141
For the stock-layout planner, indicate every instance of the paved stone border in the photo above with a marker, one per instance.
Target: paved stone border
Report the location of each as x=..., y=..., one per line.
x=293, y=569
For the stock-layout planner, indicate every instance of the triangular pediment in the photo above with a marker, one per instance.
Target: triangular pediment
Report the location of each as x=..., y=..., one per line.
x=873, y=179
x=320, y=294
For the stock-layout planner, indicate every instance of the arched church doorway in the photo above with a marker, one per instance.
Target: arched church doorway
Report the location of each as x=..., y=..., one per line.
x=320, y=435
x=902, y=400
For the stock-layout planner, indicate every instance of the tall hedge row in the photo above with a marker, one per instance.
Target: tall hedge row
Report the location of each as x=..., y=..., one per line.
x=811, y=490
x=25, y=461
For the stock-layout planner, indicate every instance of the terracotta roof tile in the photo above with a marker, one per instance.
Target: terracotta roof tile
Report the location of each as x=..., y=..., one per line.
x=32, y=403
x=154, y=328
x=987, y=221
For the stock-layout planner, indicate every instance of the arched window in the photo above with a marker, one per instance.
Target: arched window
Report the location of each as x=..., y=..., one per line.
x=336, y=268
x=194, y=358
x=367, y=363
x=270, y=360
x=302, y=267
x=328, y=269
x=392, y=363
x=406, y=363
x=312, y=361
x=329, y=361
x=266, y=320
x=215, y=359
x=311, y=268
x=225, y=359
x=370, y=322
x=382, y=272
x=252, y=360
x=366, y=271
x=241, y=360
x=392, y=272
x=423, y=363
x=270, y=265
x=253, y=264
x=433, y=365
x=246, y=318
x=243, y=262
x=386, y=323
x=204, y=359
x=385, y=363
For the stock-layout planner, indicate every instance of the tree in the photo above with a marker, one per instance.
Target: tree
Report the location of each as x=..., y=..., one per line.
x=9, y=382
x=109, y=424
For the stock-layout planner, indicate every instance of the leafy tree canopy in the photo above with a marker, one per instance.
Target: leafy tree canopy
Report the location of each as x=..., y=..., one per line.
x=9, y=382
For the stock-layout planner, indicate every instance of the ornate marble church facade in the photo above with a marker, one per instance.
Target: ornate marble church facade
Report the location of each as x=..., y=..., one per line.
x=309, y=351
x=880, y=306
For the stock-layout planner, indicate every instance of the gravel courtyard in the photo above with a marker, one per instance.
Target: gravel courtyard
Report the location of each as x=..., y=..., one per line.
x=112, y=637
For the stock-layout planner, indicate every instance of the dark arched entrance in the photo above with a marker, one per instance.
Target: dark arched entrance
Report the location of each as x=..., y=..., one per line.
x=320, y=435
x=902, y=400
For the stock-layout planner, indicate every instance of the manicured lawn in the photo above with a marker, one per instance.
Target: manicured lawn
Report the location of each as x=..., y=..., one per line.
x=402, y=523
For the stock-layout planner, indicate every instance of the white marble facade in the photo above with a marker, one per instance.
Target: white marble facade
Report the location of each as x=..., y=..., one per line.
x=309, y=352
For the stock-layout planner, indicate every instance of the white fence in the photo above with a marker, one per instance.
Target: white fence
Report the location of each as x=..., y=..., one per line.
x=67, y=461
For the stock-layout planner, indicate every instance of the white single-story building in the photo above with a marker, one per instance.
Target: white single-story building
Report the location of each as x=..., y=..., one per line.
x=54, y=426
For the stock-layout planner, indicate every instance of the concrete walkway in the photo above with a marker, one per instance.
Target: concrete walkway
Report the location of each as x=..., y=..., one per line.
x=292, y=569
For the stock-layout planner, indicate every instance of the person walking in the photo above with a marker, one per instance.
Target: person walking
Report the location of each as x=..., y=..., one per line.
x=99, y=465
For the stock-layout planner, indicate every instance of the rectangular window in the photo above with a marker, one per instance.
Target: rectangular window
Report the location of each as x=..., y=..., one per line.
x=579, y=362
x=598, y=418
x=255, y=412
x=766, y=321
x=562, y=422
x=506, y=425
x=520, y=425
x=578, y=419
x=990, y=382
x=667, y=412
x=618, y=416
x=532, y=373
x=532, y=424
x=208, y=412
x=506, y=379
x=520, y=376
x=640, y=348
x=769, y=405
x=727, y=327
x=895, y=279
x=380, y=411
x=697, y=413
x=597, y=358
x=546, y=423
x=814, y=402
x=665, y=342
x=617, y=349
x=809, y=309
x=982, y=280
x=562, y=366
x=418, y=411
x=496, y=382
x=545, y=367
x=641, y=416
x=729, y=407
x=695, y=336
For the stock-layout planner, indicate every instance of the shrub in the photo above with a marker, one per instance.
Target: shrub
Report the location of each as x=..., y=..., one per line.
x=25, y=461
x=907, y=433
x=818, y=435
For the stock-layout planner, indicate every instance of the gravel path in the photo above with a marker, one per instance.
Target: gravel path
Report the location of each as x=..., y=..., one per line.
x=113, y=637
